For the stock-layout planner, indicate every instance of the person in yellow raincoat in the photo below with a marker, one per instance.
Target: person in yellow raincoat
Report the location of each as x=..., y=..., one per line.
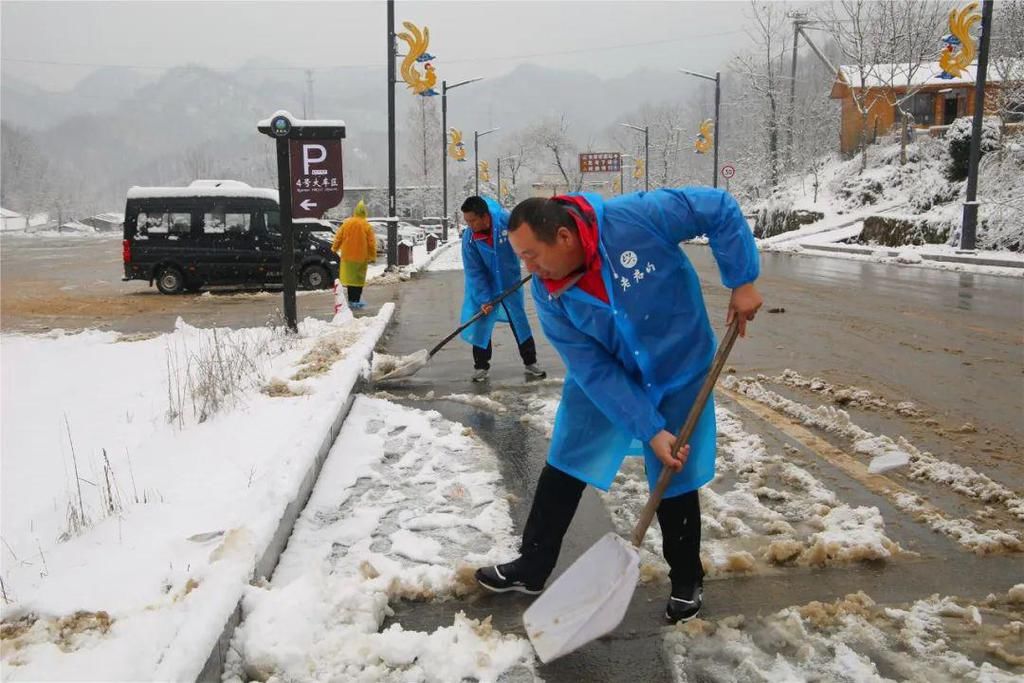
x=357, y=246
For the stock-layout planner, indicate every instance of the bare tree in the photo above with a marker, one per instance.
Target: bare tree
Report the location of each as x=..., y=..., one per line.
x=854, y=25
x=552, y=135
x=518, y=153
x=1007, y=60
x=761, y=71
x=196, y=163
x=26, y=175
x=422, y=161
x=908, y=30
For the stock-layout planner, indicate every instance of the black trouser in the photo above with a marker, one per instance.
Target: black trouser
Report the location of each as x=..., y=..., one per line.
x=354, y=293
x=527, y=349
x=554, y=505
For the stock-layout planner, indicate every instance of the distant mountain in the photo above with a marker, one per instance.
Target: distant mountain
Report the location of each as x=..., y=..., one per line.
x=120, y=127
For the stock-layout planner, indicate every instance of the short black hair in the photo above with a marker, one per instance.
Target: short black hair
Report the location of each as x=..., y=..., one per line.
x=475, y=205
x=545, y=217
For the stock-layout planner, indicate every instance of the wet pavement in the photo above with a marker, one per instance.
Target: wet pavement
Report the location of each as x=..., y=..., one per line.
x=887, y=330
x=949, y=342
x=74, y=283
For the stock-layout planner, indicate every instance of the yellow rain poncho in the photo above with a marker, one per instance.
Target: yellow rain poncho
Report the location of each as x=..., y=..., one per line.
x=357, y=246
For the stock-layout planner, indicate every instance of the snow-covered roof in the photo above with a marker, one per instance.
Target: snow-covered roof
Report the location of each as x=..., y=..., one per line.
x=205, y=188
x=7, y=213
x=296, y=121
x=111, y=217
x=898, y=75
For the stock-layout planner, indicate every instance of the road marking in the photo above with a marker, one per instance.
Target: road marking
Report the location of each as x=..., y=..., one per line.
x=876, y=483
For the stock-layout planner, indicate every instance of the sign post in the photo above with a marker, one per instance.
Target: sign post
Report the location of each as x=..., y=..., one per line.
x=309, y=182
x=728, y=171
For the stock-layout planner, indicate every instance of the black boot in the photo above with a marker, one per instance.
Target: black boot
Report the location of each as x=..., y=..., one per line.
x=679, y=518
x=554, y=505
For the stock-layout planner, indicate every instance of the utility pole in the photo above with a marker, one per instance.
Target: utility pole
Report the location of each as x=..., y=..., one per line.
x=970, y=220
x=392, y=191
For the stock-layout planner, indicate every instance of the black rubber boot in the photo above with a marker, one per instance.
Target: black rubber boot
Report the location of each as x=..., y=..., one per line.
x=554, y=505
x=679, y=518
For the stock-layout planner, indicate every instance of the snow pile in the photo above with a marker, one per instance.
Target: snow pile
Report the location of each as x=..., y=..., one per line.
x=404, y=501
x=921, y=189
x=377, y=273
x=923, y=466
x=761, y=509
x=478, y=401
x=451, y=258
x=847, y=396
x=938, y=638
x=132, y=521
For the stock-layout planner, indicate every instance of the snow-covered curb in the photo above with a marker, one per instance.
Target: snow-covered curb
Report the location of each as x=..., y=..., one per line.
x=1006, y=264
x=422, y=259
x=149, y=585
x=328, y=424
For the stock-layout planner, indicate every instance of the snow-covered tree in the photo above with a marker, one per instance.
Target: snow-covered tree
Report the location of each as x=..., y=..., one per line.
x=909, y=32
x=760, y=71
x=420, y=146
x=552, y=136
x=1006, y=60
x=855, y=28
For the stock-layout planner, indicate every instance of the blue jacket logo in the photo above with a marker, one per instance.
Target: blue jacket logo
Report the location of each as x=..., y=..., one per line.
x=628, y=259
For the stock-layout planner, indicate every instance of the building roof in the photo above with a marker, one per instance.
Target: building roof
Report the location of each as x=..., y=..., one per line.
x=898, y=75
x=7, y=213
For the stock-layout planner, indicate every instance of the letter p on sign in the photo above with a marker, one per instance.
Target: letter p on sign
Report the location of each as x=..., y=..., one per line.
x=308, y=158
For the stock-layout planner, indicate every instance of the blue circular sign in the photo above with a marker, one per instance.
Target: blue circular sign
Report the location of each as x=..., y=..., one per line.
x=280, y=126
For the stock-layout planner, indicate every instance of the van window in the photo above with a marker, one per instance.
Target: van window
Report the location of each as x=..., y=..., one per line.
x=163, y=223
x=273, y=222
x=226, y=223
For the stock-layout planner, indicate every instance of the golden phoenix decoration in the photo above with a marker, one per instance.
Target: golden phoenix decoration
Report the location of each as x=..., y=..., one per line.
x=418, y=41
x=706, y=137
x=485, y=172
x=960, y=50
x=456, y=150
x=638, y=169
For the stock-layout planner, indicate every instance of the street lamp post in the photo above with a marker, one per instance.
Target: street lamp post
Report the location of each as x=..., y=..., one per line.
x=476, y=157
x=622, y=185
x=969, y=227
x=444, y=150
x=647, y=151
x=717, y=78
x=392, y=190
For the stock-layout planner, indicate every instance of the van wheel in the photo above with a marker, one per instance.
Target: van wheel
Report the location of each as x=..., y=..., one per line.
x=170, y=280
x=314, y=277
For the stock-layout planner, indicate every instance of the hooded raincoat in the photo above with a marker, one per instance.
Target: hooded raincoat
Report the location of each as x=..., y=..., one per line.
x=635, y=364
x=490, y=270
x=357, y=246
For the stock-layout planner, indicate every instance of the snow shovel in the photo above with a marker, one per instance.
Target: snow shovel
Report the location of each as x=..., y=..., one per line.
x=590, y=598
x=406, y=366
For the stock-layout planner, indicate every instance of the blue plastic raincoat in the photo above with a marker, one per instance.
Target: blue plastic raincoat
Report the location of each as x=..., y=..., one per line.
x=489, y=272
x=635, y=365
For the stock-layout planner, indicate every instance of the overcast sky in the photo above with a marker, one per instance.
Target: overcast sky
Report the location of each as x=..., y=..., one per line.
x=468, y=38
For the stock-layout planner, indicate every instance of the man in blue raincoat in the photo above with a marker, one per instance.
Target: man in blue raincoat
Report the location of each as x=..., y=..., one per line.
x=491, y=267
x=622, y=304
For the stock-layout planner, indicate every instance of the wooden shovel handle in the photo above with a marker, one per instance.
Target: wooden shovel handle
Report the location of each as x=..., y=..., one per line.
x=479, y=314
x=686, y=432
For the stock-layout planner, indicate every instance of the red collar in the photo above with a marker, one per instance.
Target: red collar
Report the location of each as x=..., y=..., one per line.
x=484, y=235
x=591, y=281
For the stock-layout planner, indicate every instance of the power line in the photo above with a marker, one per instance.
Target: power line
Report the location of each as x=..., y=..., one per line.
x=468, y=60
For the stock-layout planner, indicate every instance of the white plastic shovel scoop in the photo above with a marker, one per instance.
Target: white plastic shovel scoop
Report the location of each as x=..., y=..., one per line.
x=590, y=598
x=388, y=368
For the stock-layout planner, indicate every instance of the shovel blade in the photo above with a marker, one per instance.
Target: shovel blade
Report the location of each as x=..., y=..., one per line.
x=399, y=367
x=587, y=601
